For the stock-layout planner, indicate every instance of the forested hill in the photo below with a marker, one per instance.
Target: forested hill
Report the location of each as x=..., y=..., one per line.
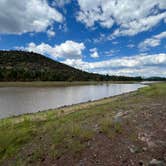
x=29, y=66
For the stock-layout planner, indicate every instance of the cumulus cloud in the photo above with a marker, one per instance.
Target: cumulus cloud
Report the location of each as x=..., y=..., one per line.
x=61, y=3
x=130, y=45
x=21, y=16
x=50, y=33
x=94, y=53
x=136, y=26
x=134, y=65
x=142, y=71
x=152, y=42
x=68, y=49
x=132, y=16
x=111, y=52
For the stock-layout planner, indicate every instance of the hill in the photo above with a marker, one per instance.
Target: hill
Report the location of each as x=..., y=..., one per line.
x=29, y=66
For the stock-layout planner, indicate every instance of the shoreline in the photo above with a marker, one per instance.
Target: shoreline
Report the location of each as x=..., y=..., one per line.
x=59, y=83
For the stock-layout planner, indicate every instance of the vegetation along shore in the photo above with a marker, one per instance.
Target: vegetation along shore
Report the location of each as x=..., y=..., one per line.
x=124, y=130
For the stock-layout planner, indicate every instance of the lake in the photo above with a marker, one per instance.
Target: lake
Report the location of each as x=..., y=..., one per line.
x=20, y=100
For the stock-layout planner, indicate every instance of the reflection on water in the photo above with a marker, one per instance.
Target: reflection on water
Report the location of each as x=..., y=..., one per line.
x=19, y=100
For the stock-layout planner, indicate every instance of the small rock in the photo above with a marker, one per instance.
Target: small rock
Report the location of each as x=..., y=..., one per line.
x=151, y=144
x=141, y=163
x=164, y=156
x=81, y=162
x=100, y=132
x=29, y=155
x=124, y=161
x=134, y=149
x=144, y=149
x=58, y=157
x=88, y=144
x=155, y=162
x=94, y=155
x=96, y=127
x=144, y=137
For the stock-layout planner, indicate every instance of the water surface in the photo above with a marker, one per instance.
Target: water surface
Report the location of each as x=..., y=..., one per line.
x=20, y=100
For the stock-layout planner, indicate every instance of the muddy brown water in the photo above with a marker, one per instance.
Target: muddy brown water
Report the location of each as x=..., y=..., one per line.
x=21, y=100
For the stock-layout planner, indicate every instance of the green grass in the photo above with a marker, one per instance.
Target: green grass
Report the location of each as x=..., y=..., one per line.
x=28, y=138
x=110, y=128
x=13, y=137
x=156, y=90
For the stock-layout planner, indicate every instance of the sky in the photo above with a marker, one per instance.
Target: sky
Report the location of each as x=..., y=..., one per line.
x=115, y=37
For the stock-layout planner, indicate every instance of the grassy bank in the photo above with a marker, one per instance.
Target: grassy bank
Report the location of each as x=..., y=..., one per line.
x=57, y=83
x=47, y=136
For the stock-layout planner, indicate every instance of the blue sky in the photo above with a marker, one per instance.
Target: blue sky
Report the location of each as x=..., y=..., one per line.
x=116, y=37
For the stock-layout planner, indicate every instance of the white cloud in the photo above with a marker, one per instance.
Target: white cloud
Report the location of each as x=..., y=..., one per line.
x=68, y=49
x=61, y=3
x=132, y=16
x=111, y=52
x=136, y=26
x=63, y=27
x=21, y=16
x=101, y=38
x=115, y=42
x=134, y=65
x=94, y=53
x=130, y=45
x=142, y=71
x=152, y=42
x=50, y=33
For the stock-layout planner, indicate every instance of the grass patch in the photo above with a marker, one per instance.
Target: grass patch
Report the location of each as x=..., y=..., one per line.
x=70, y=138
x=110, y=128
x=12, y=138
x=153, y=90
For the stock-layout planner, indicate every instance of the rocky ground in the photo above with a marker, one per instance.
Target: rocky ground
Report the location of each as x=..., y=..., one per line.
x=142, y=140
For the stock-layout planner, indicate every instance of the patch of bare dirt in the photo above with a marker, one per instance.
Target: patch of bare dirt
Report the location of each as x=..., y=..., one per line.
x=141, y=142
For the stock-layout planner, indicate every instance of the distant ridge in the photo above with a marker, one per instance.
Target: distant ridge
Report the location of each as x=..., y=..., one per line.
x=29, y=66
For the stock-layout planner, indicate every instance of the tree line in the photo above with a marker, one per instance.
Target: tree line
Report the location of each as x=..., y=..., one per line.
x=29, y=66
